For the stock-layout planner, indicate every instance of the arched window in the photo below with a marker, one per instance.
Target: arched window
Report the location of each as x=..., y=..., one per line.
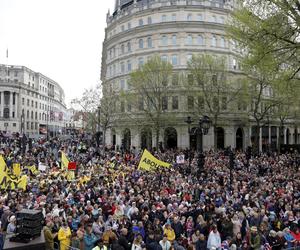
x=200, y=40
x=174, y=40
x=164, y=40
x=128, y=47
x=149, y=42
x=214, y=41
x=189, y=40
x=122, y=49
x=141, y=43
x=222, y=42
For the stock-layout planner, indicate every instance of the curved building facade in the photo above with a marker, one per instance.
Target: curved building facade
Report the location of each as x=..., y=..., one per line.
x=175, y=30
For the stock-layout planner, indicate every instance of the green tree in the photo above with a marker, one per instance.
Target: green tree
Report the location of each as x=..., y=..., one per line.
x=216, y=88
x=149, y=91
x=268, y=28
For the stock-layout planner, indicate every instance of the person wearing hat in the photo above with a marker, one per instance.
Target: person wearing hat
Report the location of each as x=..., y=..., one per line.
x=254, y=239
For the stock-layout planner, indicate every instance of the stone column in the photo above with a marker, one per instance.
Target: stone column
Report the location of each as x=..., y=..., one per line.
x=260, y=139
x=1, y=104
x=250, y=135
x=16, y=105
x=278, y=137
x=229, y=137
x=284, y=135
x=270, y=135
x=10, y=104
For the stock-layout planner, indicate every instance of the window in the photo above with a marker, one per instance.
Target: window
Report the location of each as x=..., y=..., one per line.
x=141, y=104
x=164, y=40
x=215, y=103
x=122, y=84
x=122, y=28
x=149, y=42
x=129, y=26
x=149, y=20
x=174, y=40
x=122, y=106
x=31, y=114
x=199, y=17
x=190, y=102
x=128, y=47
x=175, y=79
x=128, y=65
x=28, y=102
x=200, y=40
x=122, y=66
x=27, y=125
x=224, y=103
x=214, y=41
x=141, y=62
x=23, y=101
x=164, y=58
x=190, y=79
x=173, y=17
x=163, y=18
x=36, y=116
x=214, y=19
x=222, y=42
x=128, y=106
x=141, y=22
x=189, y=17
x=200, y=102
x=32, y=125
x=32, y=103
x=175, y=102
x=189, y=40
x=164, y=103
x=234, y=63
x=6, y=112
x=222, y=20
x=14, y=124
x=141, y=43
x=16, y=74
x=174, y=60
x=122, y=49
x=36, y=105
x=189, y=58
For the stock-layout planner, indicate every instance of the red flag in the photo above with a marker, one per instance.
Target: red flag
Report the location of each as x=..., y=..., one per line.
x=72, y=165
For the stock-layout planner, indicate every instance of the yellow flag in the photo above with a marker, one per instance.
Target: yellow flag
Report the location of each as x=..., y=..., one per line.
x=22, y=182
x=33, y=170
x=3, y=167
x=64, y=161
x=149, y=163
x=17, y=169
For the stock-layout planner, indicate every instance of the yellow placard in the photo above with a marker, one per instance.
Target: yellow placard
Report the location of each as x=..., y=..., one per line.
x=149, y=163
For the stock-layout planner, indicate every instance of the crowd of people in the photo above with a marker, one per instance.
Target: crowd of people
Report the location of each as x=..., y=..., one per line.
x=111, y=204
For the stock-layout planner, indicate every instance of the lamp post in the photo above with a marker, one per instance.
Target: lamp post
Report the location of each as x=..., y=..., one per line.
x=202, y=129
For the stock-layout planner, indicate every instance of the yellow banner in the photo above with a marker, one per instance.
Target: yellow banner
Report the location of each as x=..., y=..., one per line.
x=10, y=180
x=17, y=169
x=149, y=163
x=33, y=170
x=64, y=161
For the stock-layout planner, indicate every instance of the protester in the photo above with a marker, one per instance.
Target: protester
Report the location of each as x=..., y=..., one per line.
x=126, y=207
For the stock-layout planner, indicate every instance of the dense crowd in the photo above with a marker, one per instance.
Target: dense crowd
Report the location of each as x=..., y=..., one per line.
x=111, y=204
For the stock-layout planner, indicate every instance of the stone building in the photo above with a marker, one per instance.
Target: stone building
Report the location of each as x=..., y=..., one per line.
x=175, y=29
x=30, y=103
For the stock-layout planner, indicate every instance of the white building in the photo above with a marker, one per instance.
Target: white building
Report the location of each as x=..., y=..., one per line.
x=175, y=29
x=30, y=103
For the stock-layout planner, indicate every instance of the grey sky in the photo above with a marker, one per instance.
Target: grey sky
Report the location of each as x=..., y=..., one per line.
x=61, y=39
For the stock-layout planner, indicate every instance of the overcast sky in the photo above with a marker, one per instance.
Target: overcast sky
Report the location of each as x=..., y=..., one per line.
x=61, y=39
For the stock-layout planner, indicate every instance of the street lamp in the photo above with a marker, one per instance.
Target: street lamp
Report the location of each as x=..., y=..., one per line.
x=204, y=125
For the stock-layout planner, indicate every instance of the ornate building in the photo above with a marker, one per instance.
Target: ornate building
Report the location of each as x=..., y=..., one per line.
x=174, y=29
x=30, y=103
